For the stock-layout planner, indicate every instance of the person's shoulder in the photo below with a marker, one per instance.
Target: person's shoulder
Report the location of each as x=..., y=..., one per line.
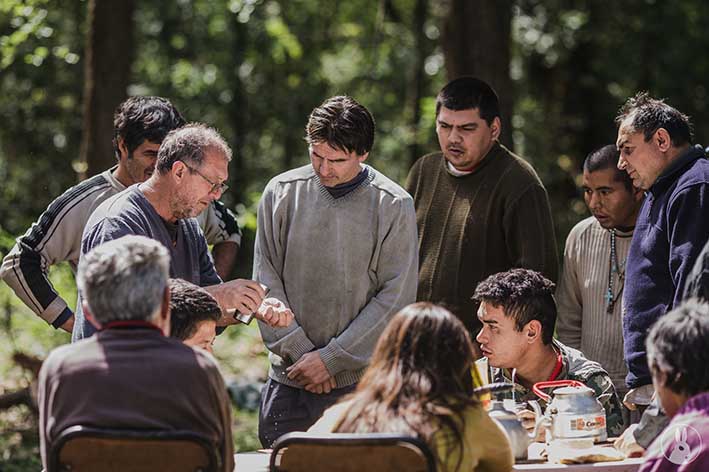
x=588, y=227
x=384, y=184
x=515, y=167
x=299, y=174
x=579, y=366
x=696, y=174
x=82, y=195
x=63, y=357
x=428, y=160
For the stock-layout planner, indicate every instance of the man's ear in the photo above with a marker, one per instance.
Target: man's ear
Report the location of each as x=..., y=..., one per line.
x=662, y=139
x=122, y=148
x=363, y=157
x=179, y=170
x=90, y=316
x=533, y=331
x=496, y=127
x=165, y=312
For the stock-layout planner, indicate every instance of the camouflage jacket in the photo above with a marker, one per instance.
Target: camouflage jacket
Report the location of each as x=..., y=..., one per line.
x=575, y=367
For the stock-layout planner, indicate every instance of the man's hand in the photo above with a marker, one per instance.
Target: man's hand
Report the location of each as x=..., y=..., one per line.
x=245, y=296
x=325, y=387
x=627, y=444
x=529, y=419
x=275, y=313
x=309, y=369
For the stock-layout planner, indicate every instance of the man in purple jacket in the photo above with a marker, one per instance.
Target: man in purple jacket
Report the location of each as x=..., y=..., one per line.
x=678, y=359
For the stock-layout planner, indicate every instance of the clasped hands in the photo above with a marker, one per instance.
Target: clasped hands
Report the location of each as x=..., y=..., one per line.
x=310, y=372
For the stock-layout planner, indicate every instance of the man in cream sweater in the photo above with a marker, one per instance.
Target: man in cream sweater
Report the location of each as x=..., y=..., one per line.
x=336, y=243
x=590, y=292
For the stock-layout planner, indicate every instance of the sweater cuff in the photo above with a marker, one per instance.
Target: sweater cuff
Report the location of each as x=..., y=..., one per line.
x=332, y=356
x=62, y=318
x=298, y=344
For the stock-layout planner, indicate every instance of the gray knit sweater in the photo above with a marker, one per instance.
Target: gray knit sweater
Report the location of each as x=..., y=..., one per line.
x=344, y=267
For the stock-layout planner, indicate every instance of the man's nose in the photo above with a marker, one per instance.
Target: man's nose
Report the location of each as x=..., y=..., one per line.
x=455, y=135
x=480, y=336
x=622, y=163
x=594, y=201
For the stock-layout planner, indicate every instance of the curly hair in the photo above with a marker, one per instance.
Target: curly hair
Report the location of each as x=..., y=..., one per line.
x=140, y=119
x=189, y=306
x=523, y=294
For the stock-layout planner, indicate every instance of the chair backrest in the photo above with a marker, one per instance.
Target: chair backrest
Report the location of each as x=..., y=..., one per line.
x=81, y=448
x=371, y=452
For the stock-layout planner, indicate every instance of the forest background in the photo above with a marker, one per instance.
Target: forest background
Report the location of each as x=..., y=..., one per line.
x=254, y=69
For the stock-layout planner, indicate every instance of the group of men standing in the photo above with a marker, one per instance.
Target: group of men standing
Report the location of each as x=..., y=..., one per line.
x=342, y=248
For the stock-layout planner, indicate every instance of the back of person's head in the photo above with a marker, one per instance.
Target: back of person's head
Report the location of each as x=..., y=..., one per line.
x=342, y=123
x=140, y=119
x=524, y=295
x=607, y=158
x=190, y=144
x=124, y=279
x=678, y=348
x=190, y=305
x=419, y=378
x=646, y=115
x=465, y=93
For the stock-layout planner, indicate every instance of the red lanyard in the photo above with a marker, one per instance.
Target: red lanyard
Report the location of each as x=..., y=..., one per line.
x=557, y=368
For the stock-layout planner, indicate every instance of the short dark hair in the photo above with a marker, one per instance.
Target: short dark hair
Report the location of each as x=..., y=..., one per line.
x=464, y=93
x=523, y=294
x=189, y=306
x=650, y=114
x=190, y=144
x=140, y=119
x=342, y=123
x=677, y=347
x=607, y=158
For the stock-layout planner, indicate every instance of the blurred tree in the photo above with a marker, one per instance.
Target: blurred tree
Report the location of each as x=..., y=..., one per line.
x=109, y=53
x=476, y=41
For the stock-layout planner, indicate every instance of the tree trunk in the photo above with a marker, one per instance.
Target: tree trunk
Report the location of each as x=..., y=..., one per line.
x=417, y=84
x=476, y=41
x=109, y=48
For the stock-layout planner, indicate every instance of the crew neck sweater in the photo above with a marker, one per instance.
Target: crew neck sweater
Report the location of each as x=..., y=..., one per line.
x=344, y=266
x=491, y=220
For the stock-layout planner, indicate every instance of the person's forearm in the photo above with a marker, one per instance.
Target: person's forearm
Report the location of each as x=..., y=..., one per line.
x=224, y=255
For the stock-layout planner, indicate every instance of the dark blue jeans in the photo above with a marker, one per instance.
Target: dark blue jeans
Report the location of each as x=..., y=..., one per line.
x=286, y=409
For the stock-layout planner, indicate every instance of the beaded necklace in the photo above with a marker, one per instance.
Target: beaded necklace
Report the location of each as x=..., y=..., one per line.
x=614, y=268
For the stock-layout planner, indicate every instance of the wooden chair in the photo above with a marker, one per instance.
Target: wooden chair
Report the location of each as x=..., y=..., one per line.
x=81, y=448
x=372, y=452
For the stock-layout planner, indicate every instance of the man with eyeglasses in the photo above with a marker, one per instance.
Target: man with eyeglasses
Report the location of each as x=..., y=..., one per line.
x=140, y=124
x=192, y=166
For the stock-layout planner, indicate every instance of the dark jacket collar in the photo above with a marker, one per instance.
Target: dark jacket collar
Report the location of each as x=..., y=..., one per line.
x=676, y=168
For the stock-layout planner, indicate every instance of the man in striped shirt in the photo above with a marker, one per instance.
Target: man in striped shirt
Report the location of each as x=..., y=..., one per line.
x=589, y=295
x=140, y=125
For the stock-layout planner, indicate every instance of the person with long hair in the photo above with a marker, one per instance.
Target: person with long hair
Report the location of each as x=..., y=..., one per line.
x=419, y=383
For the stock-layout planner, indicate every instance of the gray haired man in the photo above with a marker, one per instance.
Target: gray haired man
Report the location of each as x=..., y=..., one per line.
x=131, y=374
x=191, y=171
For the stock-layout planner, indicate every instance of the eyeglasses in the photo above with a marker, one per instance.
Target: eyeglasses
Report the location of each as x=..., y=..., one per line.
x=215, y=186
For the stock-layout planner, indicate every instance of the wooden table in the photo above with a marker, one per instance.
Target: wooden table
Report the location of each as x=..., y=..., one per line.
x=258, y=462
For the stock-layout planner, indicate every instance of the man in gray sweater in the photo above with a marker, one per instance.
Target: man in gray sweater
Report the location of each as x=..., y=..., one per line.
x=337, y=244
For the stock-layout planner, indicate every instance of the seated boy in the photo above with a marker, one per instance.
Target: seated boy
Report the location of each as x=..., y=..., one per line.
x=193, y=314
x=518, y=315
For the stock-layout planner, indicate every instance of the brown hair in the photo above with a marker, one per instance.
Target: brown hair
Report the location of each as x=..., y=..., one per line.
x=418, y=381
